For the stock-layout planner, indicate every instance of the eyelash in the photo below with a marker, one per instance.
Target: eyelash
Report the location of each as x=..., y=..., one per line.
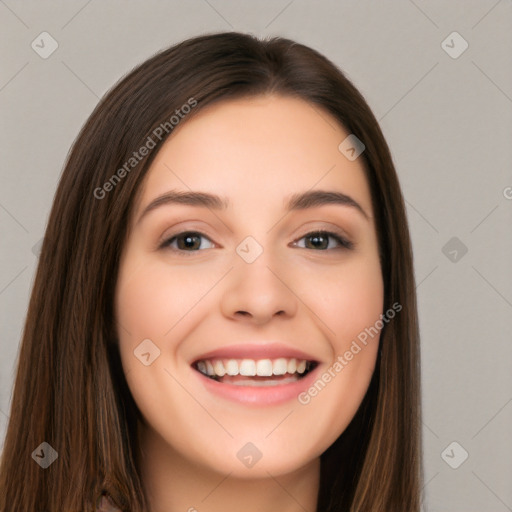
x=343, y=242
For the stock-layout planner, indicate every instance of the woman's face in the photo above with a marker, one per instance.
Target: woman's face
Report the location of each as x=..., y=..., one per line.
x=239, y=280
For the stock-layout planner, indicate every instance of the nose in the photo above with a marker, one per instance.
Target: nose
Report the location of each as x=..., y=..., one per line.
x=259, y=291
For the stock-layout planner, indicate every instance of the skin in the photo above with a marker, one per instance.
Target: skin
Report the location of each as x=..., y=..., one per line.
x=255, y=152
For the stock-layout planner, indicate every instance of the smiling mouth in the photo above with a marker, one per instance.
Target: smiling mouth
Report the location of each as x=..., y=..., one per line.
x=255, y=372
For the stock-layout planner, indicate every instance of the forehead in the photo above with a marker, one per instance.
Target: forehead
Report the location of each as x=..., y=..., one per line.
x=256, y=150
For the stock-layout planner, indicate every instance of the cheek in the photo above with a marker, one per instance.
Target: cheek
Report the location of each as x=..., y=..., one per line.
x=147, y=307
x=153, y=297
x=159, y=302
x=334, y=398
x=346, y=300
x=358, y=305
x=349, y=302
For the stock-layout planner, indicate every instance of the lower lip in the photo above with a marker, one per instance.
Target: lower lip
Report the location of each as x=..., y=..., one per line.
x=259, y=395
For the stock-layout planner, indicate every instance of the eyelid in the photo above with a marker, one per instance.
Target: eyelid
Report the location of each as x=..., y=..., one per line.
x=179, y=229
x=327, y=227
x=344, y=242
x=164, y=242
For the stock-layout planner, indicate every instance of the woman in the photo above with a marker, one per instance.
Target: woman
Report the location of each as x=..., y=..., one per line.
x=224, y=312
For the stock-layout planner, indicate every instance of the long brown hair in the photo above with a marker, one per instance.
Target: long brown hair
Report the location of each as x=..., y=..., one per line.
x=70, y=390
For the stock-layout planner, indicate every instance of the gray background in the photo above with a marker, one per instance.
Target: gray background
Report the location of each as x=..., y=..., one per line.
x=447, y=120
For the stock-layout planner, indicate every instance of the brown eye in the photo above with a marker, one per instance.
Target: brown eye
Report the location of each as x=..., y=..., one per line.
x=188, y=241
x=320, y=240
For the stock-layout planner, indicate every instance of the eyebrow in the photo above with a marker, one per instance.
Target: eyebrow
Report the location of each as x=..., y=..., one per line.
x=299, y=201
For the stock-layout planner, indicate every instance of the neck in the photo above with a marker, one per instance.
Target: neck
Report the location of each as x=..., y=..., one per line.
x=174, y=483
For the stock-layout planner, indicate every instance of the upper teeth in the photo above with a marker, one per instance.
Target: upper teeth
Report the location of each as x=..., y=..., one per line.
x=251, y=367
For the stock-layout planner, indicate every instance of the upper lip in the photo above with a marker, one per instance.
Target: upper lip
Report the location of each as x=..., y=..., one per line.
x=255, y=351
